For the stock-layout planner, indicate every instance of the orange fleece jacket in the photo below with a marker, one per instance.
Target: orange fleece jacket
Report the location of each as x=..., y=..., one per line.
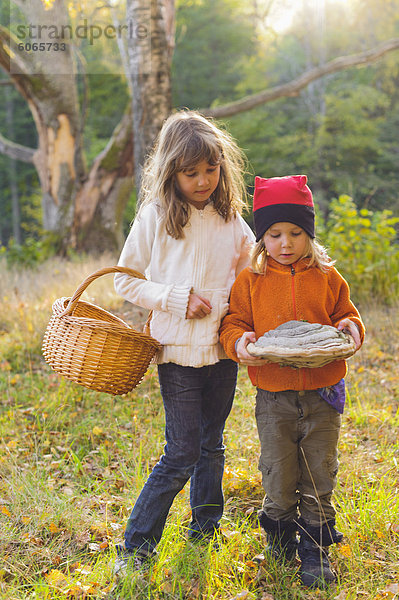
x=262, y=302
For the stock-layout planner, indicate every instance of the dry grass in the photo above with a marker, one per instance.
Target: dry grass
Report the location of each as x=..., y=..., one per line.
x=72, y=462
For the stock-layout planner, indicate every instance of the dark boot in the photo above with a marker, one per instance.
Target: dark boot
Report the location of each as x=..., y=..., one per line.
x=315, y=570
x=281, y=537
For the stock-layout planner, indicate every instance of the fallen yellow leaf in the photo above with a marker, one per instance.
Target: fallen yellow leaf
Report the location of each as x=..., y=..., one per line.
x=57, y=579
x=97, y=430
x=26, y=520
x=345, y=550
x=379, y=534
x=53, y=528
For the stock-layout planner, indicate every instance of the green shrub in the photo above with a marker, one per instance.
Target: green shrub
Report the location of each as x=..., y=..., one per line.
x=364, y=245
x=29, y=254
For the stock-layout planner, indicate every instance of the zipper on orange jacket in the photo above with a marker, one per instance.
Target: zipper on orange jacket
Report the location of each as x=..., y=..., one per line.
x=293, y=290
x=295, y=317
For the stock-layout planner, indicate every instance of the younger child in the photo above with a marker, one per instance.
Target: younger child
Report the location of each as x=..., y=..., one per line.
x=297, y=410
x=191, y=242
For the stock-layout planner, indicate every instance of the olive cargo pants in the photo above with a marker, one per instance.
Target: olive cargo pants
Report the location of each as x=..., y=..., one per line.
x=299, y=433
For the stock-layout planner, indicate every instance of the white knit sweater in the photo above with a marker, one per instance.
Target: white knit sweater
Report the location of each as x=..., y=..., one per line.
x=207, y=260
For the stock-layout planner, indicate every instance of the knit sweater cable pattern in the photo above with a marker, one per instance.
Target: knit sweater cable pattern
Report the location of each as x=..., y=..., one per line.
x=207, y=261
x=262, y=302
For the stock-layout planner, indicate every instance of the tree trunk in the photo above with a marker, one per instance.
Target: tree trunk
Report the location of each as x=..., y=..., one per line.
x=99, y=203
x=150, y=67
x=71, y=194
x=12, y=174
x=47, y=81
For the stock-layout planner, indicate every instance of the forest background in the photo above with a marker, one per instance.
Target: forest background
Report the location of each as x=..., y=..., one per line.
x=342, y=129
x=72, y=460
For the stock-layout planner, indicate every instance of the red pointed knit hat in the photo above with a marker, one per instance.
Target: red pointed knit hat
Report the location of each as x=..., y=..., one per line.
x=283, y=199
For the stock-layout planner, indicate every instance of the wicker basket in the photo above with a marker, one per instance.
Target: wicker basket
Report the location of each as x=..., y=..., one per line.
x=305, y=357
x=94, y=348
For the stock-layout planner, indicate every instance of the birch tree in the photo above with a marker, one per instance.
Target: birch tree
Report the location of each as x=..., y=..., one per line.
x=150, y=70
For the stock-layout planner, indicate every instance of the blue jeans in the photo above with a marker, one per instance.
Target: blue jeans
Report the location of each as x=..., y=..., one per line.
x=197, y=403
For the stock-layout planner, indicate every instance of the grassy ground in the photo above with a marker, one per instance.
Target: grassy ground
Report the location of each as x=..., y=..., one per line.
x=72, y=461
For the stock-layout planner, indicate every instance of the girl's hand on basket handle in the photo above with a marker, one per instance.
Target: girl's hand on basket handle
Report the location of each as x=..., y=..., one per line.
x=197, y=307
x=244, y=358
x=348, y=326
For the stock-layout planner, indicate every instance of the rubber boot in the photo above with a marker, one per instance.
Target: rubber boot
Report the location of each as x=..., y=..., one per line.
x=281, y=537
x=315, y=570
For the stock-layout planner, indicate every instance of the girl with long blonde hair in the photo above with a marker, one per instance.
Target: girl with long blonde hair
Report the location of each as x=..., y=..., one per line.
x=191, y=242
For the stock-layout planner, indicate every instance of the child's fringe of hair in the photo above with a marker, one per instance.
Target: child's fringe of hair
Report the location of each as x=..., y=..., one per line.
x=186, y=139
x=315, y=252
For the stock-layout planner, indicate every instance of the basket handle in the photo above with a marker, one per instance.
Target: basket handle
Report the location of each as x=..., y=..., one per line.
x=79, y=291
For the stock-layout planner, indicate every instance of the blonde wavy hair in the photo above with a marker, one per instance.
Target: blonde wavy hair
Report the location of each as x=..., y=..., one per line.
x=186, y=139
x=314, y=251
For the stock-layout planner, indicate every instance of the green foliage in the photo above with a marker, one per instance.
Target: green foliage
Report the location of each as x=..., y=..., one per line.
x=213, y=42
x=108, y=98
x=17, y=124
x=30, y=254
x=348, y=149
x=348, y=142
x=364, y=245
x=341, y=130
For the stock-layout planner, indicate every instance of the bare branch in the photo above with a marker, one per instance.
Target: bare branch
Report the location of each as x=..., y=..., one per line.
x=16, y=151
x=112, y=168
x=293, y=87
